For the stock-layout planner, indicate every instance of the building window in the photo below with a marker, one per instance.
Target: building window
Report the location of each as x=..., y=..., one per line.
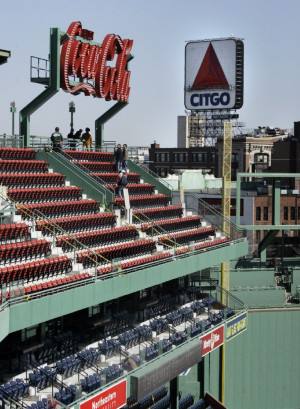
x=266, y=213
x=182, y=157
x=299, y=214
x=286, y=213
x=164, y=157
x=257, y=236
x=258, y=213
x=261, y=158
x=293, y=213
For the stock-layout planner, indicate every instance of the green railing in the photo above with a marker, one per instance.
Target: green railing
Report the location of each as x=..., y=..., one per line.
x=77, y=176
x=149, y=178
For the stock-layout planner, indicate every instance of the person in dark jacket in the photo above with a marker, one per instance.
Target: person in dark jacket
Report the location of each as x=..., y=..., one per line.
x=77, y=137
x=118, y=155
x=72, y=143
x=125, y=157
x=122, y=182
x=56, y=140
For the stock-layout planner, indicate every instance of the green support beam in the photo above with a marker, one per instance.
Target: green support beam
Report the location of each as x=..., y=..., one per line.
x=52, y=89
x=99, y=123
x=276, y=201
x=262, y=247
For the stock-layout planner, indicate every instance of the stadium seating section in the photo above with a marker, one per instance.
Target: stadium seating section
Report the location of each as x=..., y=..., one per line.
x=58, y=229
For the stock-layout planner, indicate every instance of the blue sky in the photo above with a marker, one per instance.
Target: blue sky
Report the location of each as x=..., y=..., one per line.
x=271, y=31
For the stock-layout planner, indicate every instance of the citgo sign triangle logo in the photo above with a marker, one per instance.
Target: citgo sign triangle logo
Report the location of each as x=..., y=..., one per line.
x=210, y=74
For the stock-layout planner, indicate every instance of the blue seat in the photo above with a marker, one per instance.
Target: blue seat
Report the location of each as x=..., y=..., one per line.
x=186, y=401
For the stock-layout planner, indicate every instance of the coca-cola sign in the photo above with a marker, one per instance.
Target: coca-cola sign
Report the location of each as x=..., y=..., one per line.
x=84, y=64
x=212, y=340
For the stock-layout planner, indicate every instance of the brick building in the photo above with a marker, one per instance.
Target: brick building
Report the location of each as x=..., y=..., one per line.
x=164, y=161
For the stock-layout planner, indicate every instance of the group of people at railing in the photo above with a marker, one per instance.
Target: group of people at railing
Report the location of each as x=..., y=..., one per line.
x=73, y=139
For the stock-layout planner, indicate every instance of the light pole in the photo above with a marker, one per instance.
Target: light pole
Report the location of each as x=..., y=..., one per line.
x=13, y=110
x=72, y=110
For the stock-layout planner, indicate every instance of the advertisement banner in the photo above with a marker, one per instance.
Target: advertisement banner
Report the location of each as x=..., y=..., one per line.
x=213, y=340
x=236, y=326
x=214, y=74
x=113, y=397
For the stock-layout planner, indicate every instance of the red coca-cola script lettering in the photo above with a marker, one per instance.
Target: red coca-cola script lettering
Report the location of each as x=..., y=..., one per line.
x=84, y=68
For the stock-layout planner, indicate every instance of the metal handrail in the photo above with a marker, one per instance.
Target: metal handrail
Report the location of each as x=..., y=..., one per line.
x=233, y=227
x=87, y=281
x=157, y=229
x=38, y=215
x=162, y=180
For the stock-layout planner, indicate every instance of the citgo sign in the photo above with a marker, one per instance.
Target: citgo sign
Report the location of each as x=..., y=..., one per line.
x=113, y=397
x=214, y=74
x=213, y=340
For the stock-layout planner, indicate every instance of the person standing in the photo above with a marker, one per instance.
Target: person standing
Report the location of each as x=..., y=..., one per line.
x=56, y=140
x=77, y=137
x=122, y=182
x=125, y=157
x=72, y=143
x=118, y=155
x=87, y=139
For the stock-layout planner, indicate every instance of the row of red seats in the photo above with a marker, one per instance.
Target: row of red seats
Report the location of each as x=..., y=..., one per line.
x=137, y=188
x=17, y=153
x=24, y=250
x=23, y=166
x=87, y=155
x=202, y=245
x=185, y=236
x=14, y=231
x=97, y=166
x=36, y=270
x=171, y=224
x=144, y=200
x=56, y=283
x=98, y=237
x=133, y=263
x=147, y=259
x=112, y=177
x=32, y=179
x=47, y=193
x=158, y=212
x=77, y=223
x=87, y=258
x=59, y=208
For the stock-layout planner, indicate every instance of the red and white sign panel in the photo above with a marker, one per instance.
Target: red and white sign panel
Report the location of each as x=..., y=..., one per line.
x=213, y=340
x=210, y=74
x=113, y=397
x=86, y=66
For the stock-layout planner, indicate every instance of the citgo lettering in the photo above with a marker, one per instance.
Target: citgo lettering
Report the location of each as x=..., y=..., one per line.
x=213, y=99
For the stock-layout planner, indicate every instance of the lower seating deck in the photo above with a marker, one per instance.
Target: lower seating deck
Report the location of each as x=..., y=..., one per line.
x=110, y=357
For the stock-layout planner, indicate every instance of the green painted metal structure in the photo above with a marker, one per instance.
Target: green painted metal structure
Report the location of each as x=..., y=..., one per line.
x=262, y=365
x=78, y=177
x=99, y=123
x=276, y=200
x=147, y=177
x=49, y=92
